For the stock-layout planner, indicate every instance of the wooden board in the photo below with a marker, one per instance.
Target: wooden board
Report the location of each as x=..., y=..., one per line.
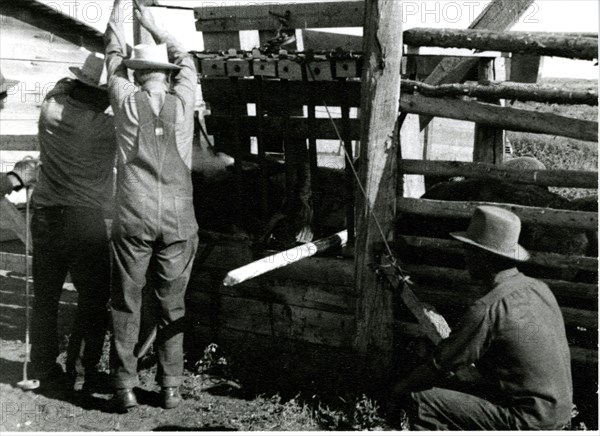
x=317, y=40
x=527, y=214
x=260, y=16
x=318, y=296
x=221, y=92
x=440, y=281
x=559, y=178
x=18, y=143
x=323, y=270
x=506, y=118
x=519, y=42
x=537, y=257
x=280, y=127
x=13, y=219
x=275, y=319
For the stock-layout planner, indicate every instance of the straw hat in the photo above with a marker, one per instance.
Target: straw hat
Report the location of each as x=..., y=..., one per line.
x=495, y=230
x=5, y=83
x=524, y=163
x=92, y=73
x=150, y=57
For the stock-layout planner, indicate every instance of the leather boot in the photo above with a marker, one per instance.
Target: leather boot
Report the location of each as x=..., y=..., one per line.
x=169, y=397
x=124, y=399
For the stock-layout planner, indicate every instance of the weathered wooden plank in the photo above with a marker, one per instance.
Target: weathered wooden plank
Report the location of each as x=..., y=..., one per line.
x=327, y=298
x=283, y=258
x=220, y=92
x=537, y=257
x=444, y=298
x=18, y=142
x=505, y=90
x=411, y=147
x=12, y=219
x=526, y=68
x=507, y=118
x=518, y=42
x=498, y=15
x=280, y=127
x=527, y=214
x=325, y=270
x=379, y=148
x=216, y=41
x=212, y=18
x=579, y=355
x=277, y=320
x=45, y=17
x=488, y=145
x=432, y=323
x=14, y=262
x=317, y=40
x=559, y=178
x=453, y=283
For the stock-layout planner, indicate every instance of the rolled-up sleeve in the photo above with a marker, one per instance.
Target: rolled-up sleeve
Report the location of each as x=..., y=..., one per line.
x=467, y=343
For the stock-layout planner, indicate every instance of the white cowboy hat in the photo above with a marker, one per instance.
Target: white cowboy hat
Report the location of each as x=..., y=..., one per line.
x=5, y=84
x=150, y=57
x=495, y=230
x=93, y=72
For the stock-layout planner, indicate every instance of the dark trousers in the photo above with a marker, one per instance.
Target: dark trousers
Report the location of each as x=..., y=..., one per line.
x=171, y=266
x=69, y=240
x=446, y=409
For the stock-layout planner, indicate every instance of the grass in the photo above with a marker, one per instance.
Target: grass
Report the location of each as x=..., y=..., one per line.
x=558, y=152
x=273, y=412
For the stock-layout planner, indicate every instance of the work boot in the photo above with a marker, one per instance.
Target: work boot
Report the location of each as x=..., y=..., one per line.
x=170, y=397
x=123, y=399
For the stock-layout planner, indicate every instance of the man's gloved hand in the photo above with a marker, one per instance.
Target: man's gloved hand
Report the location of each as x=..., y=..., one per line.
x=25, y=172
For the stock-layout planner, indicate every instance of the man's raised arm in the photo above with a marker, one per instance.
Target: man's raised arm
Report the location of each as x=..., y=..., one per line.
x=119, y=86
x=185, y=80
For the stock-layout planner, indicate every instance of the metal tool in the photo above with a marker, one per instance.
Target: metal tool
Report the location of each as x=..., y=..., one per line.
x=27, y=384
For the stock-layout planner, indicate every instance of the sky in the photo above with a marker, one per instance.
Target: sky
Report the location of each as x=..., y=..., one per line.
x=543, y=15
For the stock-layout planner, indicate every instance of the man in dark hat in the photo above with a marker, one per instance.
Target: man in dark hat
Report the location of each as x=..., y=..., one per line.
x=73, y=194
x=514, y=335
x=154, y=222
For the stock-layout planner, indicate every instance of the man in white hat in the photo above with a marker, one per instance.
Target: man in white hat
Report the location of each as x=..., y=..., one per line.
x=73, y=194
x=515, y=335
x=154, y=220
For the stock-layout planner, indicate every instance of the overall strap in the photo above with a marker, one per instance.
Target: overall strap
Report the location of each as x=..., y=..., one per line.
x=168, y=112
x=145, y=113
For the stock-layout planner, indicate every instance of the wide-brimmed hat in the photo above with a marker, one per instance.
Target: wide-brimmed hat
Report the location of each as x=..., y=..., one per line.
x=495, y=230
x=524, y=163
x=150, y=57
x=5, y=83
x=93, y=71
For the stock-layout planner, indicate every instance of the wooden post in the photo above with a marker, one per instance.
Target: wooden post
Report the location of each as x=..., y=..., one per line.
x=489, y=141
x=378, y=174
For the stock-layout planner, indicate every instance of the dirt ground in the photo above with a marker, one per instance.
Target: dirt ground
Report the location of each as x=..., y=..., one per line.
x=209, y=404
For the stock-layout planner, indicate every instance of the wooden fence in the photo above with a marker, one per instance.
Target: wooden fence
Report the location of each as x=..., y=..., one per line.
x=315, y=301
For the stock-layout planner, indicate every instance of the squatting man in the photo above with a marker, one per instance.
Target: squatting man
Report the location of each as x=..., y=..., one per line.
x=515, y=335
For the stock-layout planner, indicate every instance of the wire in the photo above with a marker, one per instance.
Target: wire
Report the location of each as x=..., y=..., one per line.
x=362, y=189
